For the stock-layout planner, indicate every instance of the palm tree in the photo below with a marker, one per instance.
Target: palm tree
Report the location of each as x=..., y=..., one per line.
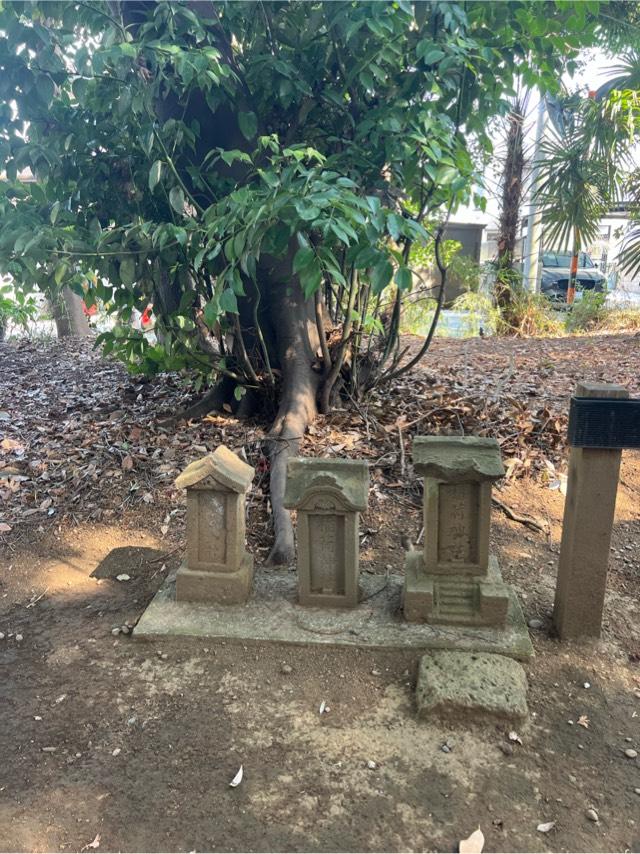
x=581, y=175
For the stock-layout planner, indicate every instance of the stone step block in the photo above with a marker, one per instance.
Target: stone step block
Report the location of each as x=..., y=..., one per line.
x=464, y=686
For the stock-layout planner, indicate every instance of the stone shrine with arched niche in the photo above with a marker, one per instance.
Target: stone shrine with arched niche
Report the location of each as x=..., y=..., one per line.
x=328, y=496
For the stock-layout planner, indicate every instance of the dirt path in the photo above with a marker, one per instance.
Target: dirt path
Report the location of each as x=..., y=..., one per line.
x=147, y=739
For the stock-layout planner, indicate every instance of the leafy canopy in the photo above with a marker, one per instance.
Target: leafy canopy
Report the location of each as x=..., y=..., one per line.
x=183, y=143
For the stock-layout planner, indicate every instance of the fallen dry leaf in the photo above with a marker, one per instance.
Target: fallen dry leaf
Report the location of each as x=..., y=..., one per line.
x=472, y=844
x=94, y=844
x=546, y=826
x=513, y=736
x=238, y=778
x=583, y=720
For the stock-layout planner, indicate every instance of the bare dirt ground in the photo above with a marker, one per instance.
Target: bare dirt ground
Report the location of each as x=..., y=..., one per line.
x=103, y=736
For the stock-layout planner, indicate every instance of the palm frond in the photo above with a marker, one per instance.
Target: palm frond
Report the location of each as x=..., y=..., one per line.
x=629, y=256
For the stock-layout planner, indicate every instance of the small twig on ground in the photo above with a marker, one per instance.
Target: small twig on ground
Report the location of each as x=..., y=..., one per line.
x=530, y=522
x=164, y=556
x=378, y=591
x=35, y=598
x=401, y=443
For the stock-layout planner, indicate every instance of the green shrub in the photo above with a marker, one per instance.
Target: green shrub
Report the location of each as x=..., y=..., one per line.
x=19, y=310
x=587, y=313
x=523, y=314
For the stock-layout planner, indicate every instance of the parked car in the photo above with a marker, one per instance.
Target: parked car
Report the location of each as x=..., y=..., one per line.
x=555, y=275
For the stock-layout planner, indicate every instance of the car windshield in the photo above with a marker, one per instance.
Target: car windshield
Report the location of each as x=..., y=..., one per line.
x=563, y=259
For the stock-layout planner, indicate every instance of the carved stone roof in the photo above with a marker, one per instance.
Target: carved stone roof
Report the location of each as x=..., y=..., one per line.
x=457, y=458
x=308, y=475
x=223, y=465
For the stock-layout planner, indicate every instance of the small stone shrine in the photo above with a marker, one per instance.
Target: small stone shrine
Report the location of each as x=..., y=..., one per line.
x=454, y=579
x=217, y=568
x=328, y=495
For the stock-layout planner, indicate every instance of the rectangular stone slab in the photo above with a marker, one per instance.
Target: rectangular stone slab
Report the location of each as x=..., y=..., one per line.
x=273, y=614
x=463, y=686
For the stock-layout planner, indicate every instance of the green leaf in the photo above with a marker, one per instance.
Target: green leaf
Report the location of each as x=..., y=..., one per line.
x=60, y=273
x=181, y=236
x=446, y=174
x=306, y=211
x=374, y=204
x=394, y=224
x=303, y=258
x=176, y=198
x=239, y=392
x=248, y=124
x=403, y=278
x=381, y=275
x=340, y=233
x=310, y=278
x=228, y=301
x=55, y=210
x=230, y=157
x=428, y=53
x=211, y=313
x=127, y=271
x=154, y=174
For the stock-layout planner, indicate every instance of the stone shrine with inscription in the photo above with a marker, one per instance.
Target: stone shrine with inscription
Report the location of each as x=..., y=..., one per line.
x=217, y=568
x=453, y=579
x=329, y=496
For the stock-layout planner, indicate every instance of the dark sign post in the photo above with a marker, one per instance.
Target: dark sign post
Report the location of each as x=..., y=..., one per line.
x=602, y=422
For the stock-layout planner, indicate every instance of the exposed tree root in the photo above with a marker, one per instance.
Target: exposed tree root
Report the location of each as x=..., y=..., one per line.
x=529, y=521
x=212, y=401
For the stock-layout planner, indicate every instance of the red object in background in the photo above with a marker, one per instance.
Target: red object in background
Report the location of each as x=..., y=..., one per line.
x=89, y=312
x=145, y=319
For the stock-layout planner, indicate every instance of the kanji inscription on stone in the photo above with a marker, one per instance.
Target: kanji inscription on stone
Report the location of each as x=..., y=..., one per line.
x=212, y=527
x=458, y=522
x=453, y=579
x=326, y=547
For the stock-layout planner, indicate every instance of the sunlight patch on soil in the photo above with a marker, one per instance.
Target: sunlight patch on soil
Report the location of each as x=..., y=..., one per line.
x=78, y=552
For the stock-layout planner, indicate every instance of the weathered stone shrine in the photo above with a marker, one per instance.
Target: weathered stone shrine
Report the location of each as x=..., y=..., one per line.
x=454, y=579
x=217, y=567
x=328, y=495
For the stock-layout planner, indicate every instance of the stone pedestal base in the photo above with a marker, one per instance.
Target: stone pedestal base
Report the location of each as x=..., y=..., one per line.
x=454, y=599
x=219, y=588
x=328, y=600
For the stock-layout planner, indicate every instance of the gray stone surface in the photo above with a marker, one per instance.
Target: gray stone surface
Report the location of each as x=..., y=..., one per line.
x=349, y=477
x=223, y=465
x=457, y=458
x=272, y=614
x=451, y=580
x=327, y=495
x=217, y=567
x=467, y=686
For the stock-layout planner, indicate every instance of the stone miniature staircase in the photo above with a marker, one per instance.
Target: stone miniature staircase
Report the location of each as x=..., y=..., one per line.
x=457, y=601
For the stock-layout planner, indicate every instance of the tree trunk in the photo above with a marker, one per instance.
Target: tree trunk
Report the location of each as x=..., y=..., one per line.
x=510, y=206
x=68, y=315
x=511, y=190
x=297, y=343
x=573, y=271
